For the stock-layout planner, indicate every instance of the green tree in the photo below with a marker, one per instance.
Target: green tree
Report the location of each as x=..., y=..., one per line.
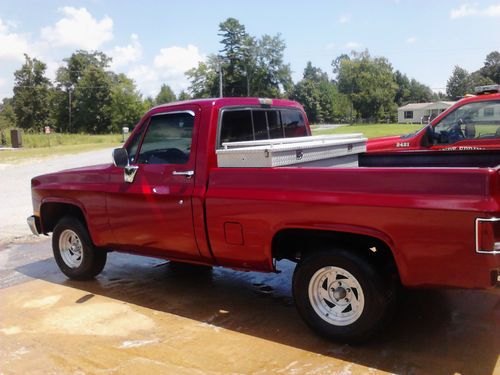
x=204, y=79
x=236, y=50
x=31, y=94
x=82, y=100
x=126, y=104
x=369, y=84
x=271, y=76
x=403, y=88
x=478, y=79
x=92, y=100
x=491, y=68
x=250, y=66
x=80, y=60
x=147, y=104
x=419, y=93
x=458, y=84
x=320, y=97
x=183, y=95
x=166, y=95
x=7, y=114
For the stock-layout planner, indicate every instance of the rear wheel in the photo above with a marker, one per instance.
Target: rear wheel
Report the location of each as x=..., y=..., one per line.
x=341, y=296
x=74, y=252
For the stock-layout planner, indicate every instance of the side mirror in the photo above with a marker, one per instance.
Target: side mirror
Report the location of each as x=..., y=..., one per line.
x=120, y=157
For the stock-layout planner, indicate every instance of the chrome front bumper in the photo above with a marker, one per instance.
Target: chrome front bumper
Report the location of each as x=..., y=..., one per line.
x=34, y=224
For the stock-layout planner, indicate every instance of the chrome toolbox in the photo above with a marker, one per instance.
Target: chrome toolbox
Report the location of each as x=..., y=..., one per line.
x=322, y=151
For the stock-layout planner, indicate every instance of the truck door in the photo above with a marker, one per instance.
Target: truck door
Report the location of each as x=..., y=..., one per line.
x=152, y=213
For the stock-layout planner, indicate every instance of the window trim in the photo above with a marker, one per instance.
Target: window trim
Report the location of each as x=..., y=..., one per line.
x=258, y=108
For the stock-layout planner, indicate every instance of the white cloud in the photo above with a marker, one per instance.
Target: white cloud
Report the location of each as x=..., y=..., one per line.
x=13, y=45
x=411, y=39
x=352, y=45
x=168, y=67
x=330, y=46
x=344, y=18
x=79, y=29
x=468, y=10
x=122, y=56
x=178, y=59
x=2, y=81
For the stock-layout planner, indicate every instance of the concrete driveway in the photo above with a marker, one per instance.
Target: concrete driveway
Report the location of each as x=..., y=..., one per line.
x=144, y=316
x=15, y=189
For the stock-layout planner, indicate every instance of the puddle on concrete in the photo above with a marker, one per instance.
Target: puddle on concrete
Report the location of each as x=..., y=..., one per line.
x=140, y=318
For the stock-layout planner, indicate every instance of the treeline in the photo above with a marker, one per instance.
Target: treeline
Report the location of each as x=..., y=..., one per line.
x=86, y=96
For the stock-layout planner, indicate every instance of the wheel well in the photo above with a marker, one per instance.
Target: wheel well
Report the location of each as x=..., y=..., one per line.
x=294, y=244
x=52, y=212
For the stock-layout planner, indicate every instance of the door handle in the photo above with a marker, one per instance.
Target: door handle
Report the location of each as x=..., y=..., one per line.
x=187, y=174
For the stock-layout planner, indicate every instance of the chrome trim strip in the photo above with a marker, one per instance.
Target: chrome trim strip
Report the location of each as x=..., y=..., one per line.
x=496, y=244
x=189, y=112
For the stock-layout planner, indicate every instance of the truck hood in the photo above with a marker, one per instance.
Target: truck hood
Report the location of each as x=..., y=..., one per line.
x=75, y=176
x=382, y=143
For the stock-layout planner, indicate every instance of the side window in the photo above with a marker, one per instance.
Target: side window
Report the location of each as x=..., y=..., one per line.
x=293, y=123
x=168, y=139
x=134, y=143
x=479, y=120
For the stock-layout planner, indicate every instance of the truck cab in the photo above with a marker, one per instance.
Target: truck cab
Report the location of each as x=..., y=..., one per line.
x=472, y=124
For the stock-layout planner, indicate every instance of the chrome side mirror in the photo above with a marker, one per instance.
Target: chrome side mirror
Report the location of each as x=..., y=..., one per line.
x=120, y=159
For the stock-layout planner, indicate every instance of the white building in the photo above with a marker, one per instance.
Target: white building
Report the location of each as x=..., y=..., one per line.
x=419, y=113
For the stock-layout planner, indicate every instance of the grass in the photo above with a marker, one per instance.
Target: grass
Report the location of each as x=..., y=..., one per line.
x=371, y=130
x=36, y=146
x=58, y=139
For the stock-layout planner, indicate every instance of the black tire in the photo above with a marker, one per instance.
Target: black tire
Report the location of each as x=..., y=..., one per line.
x=377, y=295
x=92, y=260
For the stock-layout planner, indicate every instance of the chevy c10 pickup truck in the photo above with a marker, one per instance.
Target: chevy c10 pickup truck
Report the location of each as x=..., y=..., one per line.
x=355, y=233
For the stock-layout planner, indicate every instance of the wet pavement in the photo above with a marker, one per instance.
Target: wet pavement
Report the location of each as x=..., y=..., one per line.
x=143, y=315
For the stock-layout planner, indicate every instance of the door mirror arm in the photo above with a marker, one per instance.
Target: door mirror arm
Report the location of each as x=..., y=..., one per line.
x=121, y=160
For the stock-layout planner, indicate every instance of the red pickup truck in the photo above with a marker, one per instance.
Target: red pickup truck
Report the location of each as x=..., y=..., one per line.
x=472, y=124
x=356, y=234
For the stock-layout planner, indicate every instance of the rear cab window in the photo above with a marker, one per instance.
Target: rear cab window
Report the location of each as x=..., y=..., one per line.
x=251, y=124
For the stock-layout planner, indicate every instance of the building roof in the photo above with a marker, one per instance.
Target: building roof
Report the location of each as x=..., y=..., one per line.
x=416, y=106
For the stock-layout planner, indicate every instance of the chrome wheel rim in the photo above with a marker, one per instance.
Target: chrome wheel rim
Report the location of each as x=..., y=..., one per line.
x=71, y=248
x=336, y=296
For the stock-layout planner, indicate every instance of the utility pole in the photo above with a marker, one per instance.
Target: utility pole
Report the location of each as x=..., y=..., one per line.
x=219, y=68
x=248, y=81
x=69, y=109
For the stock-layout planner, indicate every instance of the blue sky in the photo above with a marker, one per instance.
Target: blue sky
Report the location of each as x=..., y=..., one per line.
x=155, y=42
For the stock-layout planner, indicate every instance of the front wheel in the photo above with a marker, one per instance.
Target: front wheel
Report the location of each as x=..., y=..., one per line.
x=74, y=252
x=341, y=296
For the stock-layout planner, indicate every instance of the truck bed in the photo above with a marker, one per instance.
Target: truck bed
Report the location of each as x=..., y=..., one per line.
x=411, y=209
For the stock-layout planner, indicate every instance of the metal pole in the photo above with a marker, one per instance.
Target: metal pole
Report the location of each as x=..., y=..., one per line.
x=248, y=82
x=69, y=111
x=220, y=80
